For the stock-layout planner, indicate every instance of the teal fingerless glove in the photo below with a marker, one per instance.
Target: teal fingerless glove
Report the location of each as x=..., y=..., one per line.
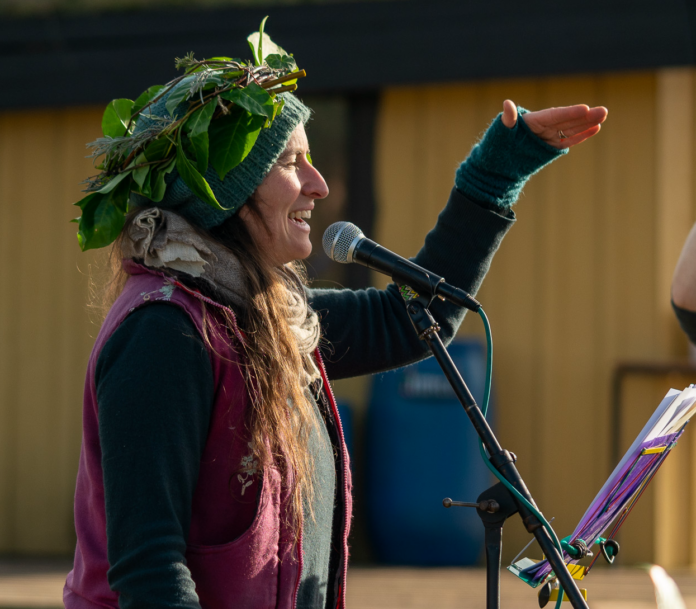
x=499, y=166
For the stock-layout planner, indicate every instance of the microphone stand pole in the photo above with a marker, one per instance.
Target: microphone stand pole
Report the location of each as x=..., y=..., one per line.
x=427, y=329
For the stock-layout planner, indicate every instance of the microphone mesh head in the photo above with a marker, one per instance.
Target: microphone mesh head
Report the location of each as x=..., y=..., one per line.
x=338, y=239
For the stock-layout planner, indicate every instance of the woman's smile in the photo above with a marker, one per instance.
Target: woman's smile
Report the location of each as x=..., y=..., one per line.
x=298, y=219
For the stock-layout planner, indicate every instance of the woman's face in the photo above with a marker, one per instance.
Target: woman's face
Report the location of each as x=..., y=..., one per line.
x=285, y=199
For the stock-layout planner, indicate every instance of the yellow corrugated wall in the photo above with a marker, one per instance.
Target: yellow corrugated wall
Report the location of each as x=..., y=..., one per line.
x=45, y=336
x=582, y=281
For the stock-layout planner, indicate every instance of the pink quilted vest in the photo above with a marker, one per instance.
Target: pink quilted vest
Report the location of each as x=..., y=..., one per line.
x=260, y=569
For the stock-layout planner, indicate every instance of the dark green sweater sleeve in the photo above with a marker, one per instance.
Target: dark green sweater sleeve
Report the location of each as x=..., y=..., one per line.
x=155, y=393
x=369, y=331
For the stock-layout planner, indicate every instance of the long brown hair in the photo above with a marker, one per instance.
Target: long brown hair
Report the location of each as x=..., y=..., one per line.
x=281, y=416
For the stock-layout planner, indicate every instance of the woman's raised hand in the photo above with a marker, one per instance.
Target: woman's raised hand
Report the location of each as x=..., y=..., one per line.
x=559, y=127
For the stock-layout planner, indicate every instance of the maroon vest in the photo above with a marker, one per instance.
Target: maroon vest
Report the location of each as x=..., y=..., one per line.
x=260, y=569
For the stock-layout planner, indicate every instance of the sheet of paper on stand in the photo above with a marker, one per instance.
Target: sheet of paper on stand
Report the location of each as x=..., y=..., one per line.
x=626, y=483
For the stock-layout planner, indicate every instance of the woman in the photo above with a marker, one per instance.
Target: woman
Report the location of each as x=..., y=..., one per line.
x=213, y=470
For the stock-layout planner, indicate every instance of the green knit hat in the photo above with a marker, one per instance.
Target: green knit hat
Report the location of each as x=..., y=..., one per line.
x=240, y=182
x=199, y=145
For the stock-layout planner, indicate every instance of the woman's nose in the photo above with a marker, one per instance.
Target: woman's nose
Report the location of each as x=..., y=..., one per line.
x=314, y=184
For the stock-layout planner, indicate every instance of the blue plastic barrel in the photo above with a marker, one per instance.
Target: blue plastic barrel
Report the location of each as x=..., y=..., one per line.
x=421, y=448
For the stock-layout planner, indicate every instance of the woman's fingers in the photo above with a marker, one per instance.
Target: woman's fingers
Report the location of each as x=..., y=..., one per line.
x=576, y=123
x=562, y=114
x=566, y=114
x=578, y=137
x=571, y=121
x=560, y=118
x=594, y=116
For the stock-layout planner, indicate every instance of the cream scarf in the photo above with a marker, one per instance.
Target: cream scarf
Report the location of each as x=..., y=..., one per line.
x=166, y=240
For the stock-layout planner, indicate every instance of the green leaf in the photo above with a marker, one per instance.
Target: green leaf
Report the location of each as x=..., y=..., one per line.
x=215, y=80
x=154, y=186
x=86, y=220
x=178, y=94
x=262, y=46
x=194, y=180
x=255, y=41
x=120, y=196
x=309, y=158
x=158, y=149
x=281, y=62
x=113, y=182
x=145, y=98
x=144, y=187
x=278, y=104
x=116, y=117
x=231, y=139
x=253, y=98
x=260, y=53
x=85, y=201
x=232, y=74
x=197, y=128
x=109, y=216
x=198, y=122
x=252, y=46
x=101, y=220
x=140, y=175
x=201, y=149
x=157, y=185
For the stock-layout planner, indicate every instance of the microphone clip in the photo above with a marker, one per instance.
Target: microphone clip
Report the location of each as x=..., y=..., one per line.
x=410, y=278
x=405, y=272
x=417, y=307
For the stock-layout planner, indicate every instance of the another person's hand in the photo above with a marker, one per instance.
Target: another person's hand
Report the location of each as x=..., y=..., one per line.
x=559, y=127
x=684, y=280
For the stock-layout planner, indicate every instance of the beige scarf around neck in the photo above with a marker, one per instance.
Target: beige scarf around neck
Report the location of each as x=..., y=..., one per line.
x=166, y=240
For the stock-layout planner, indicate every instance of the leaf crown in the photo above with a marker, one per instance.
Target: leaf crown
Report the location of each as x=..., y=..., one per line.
x=216, y=110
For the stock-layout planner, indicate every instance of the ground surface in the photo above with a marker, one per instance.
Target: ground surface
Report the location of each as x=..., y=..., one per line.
x=39, y=584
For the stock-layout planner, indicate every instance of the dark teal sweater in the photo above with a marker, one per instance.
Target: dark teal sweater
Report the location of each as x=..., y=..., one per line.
x=152, y=359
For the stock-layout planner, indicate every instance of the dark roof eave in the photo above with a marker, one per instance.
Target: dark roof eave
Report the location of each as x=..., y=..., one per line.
x=62, y=61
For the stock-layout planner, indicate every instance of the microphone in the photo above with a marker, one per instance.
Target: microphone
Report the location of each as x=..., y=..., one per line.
x=344, y=242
